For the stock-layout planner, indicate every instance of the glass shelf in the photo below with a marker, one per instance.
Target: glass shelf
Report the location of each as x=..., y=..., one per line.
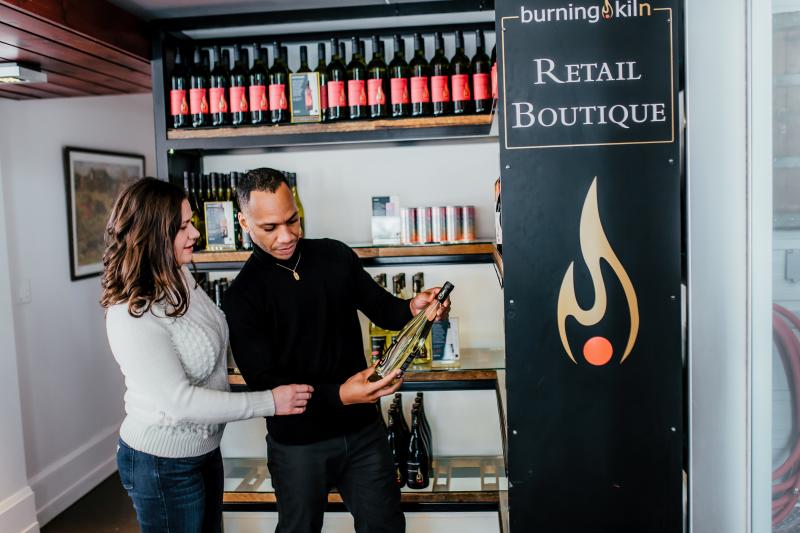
x=457, y=482
x=475, y=370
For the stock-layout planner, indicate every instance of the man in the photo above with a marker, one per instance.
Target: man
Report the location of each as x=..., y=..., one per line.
x=292, y=317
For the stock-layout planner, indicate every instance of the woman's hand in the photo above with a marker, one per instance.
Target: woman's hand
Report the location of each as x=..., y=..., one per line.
x=358, y=389
x=291, y=399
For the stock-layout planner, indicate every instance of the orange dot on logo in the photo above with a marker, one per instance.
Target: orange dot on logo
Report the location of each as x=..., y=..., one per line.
x=598, y=351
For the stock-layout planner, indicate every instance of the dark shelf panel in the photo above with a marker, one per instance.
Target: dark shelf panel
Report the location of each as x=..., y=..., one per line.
x=253, y=137
x=476, y=370
x=477, y=252
x=454, y=487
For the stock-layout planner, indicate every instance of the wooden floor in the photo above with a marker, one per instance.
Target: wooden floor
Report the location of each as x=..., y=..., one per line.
x=106, y=509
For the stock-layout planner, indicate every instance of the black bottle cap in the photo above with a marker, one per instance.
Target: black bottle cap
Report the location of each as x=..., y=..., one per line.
x=445, y=292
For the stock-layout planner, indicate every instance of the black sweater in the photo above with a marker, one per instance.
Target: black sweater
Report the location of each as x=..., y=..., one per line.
x=284, y=331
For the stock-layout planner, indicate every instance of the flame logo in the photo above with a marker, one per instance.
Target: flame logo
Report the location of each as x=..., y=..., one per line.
x=594, y=247
x=608, y=11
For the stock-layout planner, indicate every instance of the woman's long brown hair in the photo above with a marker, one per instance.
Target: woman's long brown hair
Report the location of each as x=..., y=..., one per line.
x=139, y=263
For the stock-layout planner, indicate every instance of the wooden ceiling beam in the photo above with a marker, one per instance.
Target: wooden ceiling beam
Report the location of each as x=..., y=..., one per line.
x=48, y=64
x=46, y=47
x=24, y=21
x=95, y=19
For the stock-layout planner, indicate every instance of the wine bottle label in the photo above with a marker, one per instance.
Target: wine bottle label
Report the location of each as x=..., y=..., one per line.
x=375, y=93
x=356, y=92
x=337, y=97
x=238, y=100
x=440, y=87
x=461, y=90
x=494, y=80
x=420, y=94
x=323, y=97
x=258, y=98
x=218, y=102
x=277, y=96
x=480, y=85
x=198, y=101
x=177, y=102
x=399, y=90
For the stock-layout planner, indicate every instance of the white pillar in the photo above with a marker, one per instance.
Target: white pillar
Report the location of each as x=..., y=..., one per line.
x=17, y=505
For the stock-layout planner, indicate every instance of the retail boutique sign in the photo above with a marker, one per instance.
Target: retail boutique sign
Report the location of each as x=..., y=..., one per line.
x=587, y=75
x=591, y=185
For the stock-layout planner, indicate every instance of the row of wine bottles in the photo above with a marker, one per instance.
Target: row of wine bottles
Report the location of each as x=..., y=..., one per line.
x=215, y=187
x=412, y=449
x=214, y=289
x=247, y=92
x=381, y=339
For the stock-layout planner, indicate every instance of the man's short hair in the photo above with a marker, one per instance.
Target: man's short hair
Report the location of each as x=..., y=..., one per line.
x=259, y=179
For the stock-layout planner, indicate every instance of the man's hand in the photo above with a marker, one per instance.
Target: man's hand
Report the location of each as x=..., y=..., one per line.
x=291, y=399
x=358, y=390
x=419, y=302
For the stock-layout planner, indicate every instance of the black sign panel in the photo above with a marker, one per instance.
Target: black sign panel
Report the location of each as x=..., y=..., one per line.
x=610, y=82
x=592, y=256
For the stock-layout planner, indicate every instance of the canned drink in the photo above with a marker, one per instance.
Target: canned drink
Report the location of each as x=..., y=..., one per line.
x=453, y=216
x=424, y=225
x=468, y=223
x=438, y=224
x=408, y=225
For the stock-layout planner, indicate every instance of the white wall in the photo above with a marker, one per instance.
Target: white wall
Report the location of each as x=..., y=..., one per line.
x=71, y=388
x=17, y=506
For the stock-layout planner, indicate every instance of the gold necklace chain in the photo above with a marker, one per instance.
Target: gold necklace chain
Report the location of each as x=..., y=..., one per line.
x=293, y=270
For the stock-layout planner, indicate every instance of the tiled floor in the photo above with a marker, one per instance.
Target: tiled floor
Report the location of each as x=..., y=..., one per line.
x=106, y=509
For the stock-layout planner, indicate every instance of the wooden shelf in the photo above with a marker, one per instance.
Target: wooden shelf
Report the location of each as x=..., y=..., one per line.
x=459, y=483
x=385, y=130
x=497, y=257
x=477, y=369
x=475, y=252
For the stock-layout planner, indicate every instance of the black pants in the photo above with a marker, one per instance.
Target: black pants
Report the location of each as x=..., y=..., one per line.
x=359, y=465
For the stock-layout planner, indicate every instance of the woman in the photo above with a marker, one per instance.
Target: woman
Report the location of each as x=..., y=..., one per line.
x=171, y=343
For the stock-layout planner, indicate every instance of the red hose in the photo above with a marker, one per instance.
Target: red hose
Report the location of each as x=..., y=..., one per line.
x=785, y=494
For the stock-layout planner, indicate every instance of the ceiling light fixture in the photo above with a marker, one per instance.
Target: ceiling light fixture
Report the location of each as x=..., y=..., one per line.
x=20, y=73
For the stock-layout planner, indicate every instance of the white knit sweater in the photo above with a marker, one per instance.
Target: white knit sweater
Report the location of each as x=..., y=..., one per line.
x=177, y=400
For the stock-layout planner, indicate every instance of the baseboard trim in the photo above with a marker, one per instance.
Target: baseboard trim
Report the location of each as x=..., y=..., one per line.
x=67, y=480
x=18, y=512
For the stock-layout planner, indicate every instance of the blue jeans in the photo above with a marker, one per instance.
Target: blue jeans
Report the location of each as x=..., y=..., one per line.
x=173, y=495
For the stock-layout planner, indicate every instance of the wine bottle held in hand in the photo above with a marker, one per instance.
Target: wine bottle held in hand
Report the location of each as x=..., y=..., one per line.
x=411, y=338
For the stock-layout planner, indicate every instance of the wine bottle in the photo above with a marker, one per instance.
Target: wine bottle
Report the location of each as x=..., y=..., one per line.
x=337, y=76
x=357, y=84
x=304, y=59
x=218, y=92
x=418, y=461
x=398, y=404
x=304, y=68
x=494, y=72
x=212, y=193
x=396, y=447
x=440, y=79
x=376, y=81
x=398, y=80
x=178, y=103
x=411, y=338
x=237, y=227
x=198, y=91
x=426, y=351
x=323, y=81
x=420, y=80
x=419, y=402
x=259, y=80
x=221, y=188
x=377, y=334
x=240, y=111
x=291, y=177
x=278, y=78
x=481, y=70
x=188, y=187
x=460, y=88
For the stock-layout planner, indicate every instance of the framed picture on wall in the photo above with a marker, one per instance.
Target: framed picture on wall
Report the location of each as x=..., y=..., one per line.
x=94, y=179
